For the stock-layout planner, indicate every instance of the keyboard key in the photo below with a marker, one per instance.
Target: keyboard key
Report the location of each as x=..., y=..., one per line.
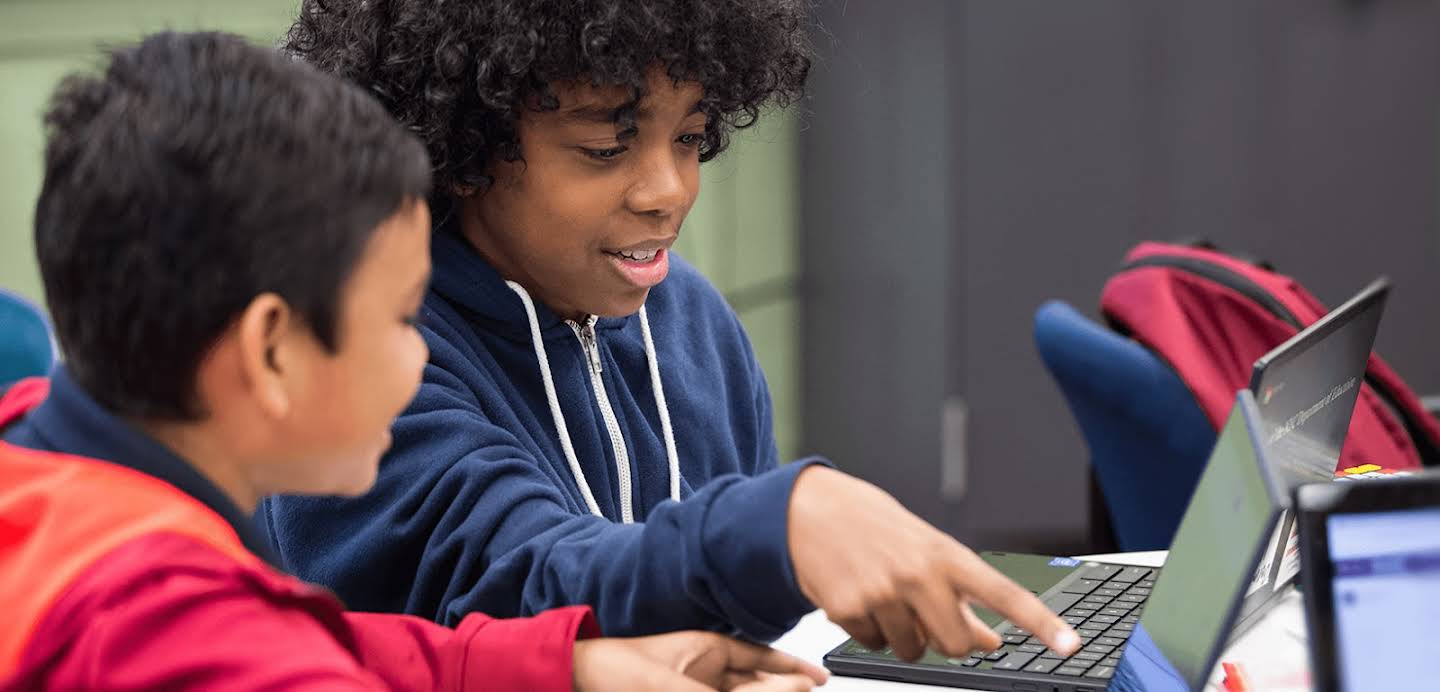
x=1107, y=592
x=1087, y=633
x=1105, y=619
x=1130, y=619
x=1015, y=639
x=1061, y=602
x=1102, y=572
x=1014, y=661
x=1098, y=649
x=1122, y=627
x=1130, y=575
x=1112, y=661
x=996, y=655
x=1080, y=612
x=1088, y=656
x=1115, y=612
x=1110, y=641
x=967, y=662
x=1146, y=583
x=1042, y=665
x=1019, y=631
x=1072, y=670
x=1101, y=672
x=1051, y=654
x=1133, y=597
x=1081, y=586
x=1031, y=648
x=1094, y=602
x=1072, y=620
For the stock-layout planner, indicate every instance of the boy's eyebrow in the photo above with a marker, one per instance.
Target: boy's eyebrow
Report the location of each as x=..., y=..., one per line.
x=592, y=113
x=603, y=113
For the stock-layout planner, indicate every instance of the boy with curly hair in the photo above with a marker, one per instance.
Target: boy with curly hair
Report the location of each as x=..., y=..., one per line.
x=593, y=426
x=234, y=248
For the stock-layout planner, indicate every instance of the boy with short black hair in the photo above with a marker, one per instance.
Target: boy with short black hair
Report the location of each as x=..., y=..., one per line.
x=234, y=248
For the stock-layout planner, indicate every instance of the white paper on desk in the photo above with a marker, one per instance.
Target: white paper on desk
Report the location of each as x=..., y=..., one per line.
x=1274, y=653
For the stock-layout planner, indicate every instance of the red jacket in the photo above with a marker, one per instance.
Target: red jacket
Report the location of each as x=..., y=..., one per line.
x=113, y=579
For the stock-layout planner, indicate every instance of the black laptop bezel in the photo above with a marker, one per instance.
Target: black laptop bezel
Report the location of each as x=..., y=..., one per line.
x=1314, y=504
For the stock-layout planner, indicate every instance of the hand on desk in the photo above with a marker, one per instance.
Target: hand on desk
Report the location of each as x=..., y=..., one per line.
x=889, y=578
x=688, y=662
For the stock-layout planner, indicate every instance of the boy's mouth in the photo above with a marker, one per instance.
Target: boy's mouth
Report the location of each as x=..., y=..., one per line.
x=635, y=255
x=642, y=266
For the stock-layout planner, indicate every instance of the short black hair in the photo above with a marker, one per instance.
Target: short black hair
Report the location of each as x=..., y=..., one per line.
x=460, y=73
x=194, y=173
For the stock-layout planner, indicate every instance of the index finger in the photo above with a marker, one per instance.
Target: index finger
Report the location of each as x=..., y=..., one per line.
x=750, y=657
x=984, y=584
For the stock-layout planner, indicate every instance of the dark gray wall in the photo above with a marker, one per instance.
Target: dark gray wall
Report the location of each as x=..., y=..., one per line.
x=965, y=161
x=876, y=222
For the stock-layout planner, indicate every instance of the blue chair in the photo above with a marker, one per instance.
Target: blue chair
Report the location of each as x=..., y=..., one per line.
x=26, y=345
x=1148, y=438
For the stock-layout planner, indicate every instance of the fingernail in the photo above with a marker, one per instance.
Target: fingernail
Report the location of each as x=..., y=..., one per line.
x=1067, y=641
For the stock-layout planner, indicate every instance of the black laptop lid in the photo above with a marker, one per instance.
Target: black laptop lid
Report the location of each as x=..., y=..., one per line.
x=1305, y=391
x=1306, y=388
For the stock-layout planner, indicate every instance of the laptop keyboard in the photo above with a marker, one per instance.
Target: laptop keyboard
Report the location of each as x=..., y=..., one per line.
x=1103, y=607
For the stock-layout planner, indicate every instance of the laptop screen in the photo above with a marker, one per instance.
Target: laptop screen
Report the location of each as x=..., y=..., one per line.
x=1386, y=597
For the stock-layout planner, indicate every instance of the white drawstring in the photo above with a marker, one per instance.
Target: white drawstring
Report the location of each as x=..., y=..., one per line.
x=661, y=406
x=563, y=431
x=560, y=428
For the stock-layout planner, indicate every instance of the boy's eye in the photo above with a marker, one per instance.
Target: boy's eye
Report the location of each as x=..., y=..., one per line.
x=691, y=140
x=604, y=154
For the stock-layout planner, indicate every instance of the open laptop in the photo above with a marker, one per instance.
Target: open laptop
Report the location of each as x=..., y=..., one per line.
x=1189, y=608
x=1103, y=601
x=1306, y=389
x=1372, y=582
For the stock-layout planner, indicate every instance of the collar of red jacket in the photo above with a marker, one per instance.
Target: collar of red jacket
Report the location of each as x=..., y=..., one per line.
x=70, y=421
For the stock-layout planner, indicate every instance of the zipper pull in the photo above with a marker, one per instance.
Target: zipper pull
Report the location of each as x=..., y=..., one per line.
x=592, y=347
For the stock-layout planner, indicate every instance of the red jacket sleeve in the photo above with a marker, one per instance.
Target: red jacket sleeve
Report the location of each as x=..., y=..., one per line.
x=165, y=612
x=482, y=653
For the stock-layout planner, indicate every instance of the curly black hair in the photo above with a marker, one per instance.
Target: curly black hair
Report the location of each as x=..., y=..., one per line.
x=458, y=73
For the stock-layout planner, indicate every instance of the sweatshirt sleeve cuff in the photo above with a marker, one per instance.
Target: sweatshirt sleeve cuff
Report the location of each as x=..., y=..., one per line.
x=536, y=653
x=746, y=544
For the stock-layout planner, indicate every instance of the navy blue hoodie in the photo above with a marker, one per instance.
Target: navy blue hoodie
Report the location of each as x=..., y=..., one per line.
x=478, y=506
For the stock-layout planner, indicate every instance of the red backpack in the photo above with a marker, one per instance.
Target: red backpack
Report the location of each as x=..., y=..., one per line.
x=1211, y=315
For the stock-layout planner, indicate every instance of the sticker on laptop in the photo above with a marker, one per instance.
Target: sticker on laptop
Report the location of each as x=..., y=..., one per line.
x=1064, y=562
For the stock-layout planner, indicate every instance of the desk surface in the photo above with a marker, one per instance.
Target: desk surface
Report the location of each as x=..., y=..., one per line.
x=1273, y=652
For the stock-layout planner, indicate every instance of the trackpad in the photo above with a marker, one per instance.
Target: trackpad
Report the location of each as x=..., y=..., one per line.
x=1038, y=573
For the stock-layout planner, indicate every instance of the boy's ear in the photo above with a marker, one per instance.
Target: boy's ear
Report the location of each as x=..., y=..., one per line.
x=267, y=332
